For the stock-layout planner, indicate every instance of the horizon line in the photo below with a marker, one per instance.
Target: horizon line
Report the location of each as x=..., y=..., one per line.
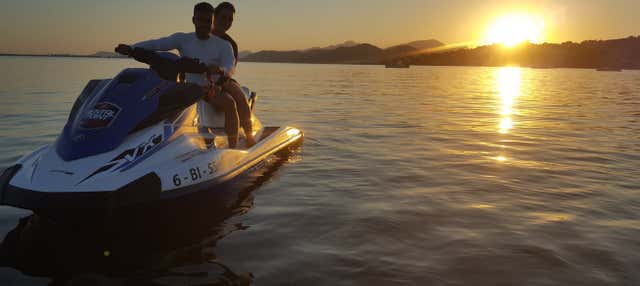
x=444, y=46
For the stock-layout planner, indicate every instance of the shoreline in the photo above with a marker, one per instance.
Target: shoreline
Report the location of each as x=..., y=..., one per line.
x=268, y=62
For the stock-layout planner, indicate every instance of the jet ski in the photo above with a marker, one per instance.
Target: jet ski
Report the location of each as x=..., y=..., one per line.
x=140, y=139
x=140, y=249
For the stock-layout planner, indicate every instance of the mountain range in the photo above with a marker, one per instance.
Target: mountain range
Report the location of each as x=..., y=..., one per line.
x=348, y=52
x=345, y=44
x=623, y=53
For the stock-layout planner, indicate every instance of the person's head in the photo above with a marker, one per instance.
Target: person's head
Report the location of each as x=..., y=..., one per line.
x=223, y=17
x=202, y=19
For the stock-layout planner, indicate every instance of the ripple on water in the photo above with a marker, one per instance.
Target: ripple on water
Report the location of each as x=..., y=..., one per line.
x=426, y=176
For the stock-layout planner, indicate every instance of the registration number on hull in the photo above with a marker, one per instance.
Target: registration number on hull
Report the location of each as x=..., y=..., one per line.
x=193, y=174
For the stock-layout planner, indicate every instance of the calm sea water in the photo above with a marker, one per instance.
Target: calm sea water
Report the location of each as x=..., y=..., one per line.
x=420, y=176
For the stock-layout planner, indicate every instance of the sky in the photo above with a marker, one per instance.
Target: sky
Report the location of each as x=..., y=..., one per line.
x=88, y=26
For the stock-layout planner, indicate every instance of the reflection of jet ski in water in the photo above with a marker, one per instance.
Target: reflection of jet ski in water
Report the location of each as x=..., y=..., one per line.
x=151, y=250
x=134, y=142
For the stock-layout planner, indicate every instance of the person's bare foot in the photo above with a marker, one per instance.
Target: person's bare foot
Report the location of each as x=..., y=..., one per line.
x=250, y=141
x=232, y=140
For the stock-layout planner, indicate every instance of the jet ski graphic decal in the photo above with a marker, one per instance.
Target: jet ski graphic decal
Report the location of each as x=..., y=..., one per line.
x=131, y=156
x=150, y=150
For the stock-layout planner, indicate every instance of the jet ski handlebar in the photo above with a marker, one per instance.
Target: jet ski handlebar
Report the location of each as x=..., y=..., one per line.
x=169, y=68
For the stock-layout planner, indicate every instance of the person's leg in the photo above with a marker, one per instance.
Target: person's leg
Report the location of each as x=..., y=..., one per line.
x=228, y=105
x=244, y=111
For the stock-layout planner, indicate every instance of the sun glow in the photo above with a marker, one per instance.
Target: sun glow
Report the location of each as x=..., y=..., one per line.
x=513, y=29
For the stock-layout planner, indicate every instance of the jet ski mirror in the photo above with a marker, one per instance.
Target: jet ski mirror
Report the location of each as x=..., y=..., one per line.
x=123, y=49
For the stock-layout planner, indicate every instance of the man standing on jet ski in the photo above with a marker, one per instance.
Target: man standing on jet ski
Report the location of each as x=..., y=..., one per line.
x=203, y=46
x=222, y=19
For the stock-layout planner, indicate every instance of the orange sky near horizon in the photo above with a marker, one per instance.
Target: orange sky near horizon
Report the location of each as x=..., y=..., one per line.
x=83, y=27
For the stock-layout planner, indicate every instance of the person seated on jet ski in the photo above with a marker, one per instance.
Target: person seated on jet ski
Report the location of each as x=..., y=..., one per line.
x=211, y=50
x=222, y=20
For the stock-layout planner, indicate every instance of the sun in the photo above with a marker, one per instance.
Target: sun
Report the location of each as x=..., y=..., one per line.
x=513, y=29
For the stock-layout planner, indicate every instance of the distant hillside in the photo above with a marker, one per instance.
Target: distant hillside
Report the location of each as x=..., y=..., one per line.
x=345, y=44
x=398, y=50
x=346, y=53
x=243, y=54
x=618, y=53
x=425, y=44
x=355, y=54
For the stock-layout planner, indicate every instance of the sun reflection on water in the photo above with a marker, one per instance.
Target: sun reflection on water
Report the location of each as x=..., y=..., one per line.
x=508, y=84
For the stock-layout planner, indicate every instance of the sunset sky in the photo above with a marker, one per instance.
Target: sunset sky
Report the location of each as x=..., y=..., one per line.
x=83, y=27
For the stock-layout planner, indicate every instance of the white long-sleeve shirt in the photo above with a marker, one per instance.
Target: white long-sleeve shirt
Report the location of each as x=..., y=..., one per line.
x=212, y=51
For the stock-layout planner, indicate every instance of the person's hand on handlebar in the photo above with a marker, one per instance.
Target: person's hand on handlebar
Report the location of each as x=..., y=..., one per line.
x=215, y=70
x=190, y=65
x=124, y=49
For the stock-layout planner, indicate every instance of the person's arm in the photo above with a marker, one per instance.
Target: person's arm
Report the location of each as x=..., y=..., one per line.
x=227, y=59
x=163, y=44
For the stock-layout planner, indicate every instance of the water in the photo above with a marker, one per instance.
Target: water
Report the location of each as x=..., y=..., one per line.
x=420, y=176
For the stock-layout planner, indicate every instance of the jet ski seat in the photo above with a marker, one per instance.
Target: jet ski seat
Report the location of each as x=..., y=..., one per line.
x=212, y=117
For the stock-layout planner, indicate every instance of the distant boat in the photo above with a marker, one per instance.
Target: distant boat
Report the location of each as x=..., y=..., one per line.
x=397, y=66
x=609, y=69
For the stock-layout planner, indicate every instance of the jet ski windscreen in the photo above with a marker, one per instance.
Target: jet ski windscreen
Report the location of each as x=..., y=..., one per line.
x=109, y=114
